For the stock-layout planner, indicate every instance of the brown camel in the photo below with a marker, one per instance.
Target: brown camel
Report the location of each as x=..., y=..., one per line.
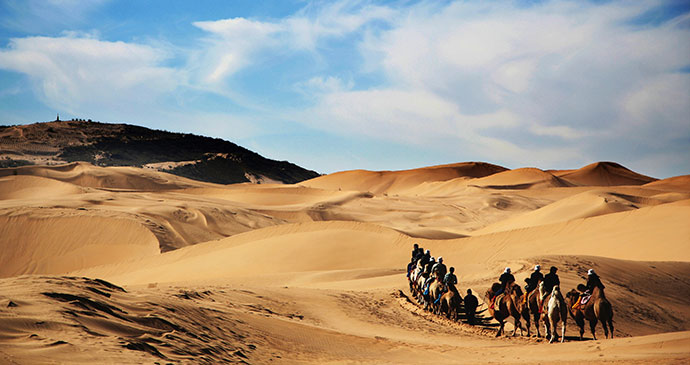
x=436, y=289
x=597, y=309
x=450, y=304
x=532, y=306
x=506, y=305
x=556, y=310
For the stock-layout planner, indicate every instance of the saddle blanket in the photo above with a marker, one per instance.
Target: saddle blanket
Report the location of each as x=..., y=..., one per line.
x=585, y=299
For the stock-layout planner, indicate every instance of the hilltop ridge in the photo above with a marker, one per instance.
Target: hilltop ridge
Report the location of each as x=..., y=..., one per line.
x=103, y=144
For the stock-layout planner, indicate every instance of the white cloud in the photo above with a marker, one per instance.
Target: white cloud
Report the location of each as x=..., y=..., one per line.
x=233, y=44
x=75, y=73
x=556, y=77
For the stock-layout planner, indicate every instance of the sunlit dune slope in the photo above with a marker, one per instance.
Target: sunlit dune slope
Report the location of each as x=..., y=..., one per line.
x=124, y=178
x=34, y=187
x=269, y=195
x=588, y=204
x=523, y=178
x=676, y=183
x=348, y=246
x=604, y=174
x=64, y=242
x=378, y=182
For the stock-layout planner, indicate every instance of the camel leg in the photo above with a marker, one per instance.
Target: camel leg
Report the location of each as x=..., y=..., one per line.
x=553, y=328
x=563, y=331
x=611, y=327
x=500, y=329
x=593, y=327
x=536, y=324
x=606, y=330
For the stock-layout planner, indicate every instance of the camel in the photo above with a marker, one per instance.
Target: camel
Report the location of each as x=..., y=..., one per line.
x=532, y=306
x=556, y=311
x=419, y=286
x=506, y=305
x=436, y=289
x=597, y=309
x=450, y=304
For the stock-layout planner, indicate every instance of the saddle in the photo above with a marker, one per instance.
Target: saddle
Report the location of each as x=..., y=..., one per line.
x=585, y=299
x=497, y=298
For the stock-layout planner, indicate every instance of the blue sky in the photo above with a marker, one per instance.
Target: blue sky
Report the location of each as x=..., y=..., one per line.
x=342, y=85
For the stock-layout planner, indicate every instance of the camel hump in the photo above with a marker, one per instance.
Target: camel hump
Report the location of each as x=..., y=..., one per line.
x=495, y=287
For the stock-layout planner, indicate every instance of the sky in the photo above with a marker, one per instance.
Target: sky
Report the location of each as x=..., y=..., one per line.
x=377, y=85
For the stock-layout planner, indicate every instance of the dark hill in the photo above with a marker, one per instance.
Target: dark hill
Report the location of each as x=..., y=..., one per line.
x=197, y=157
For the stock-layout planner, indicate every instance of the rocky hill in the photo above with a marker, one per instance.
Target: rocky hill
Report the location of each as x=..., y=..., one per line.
x=196, y=157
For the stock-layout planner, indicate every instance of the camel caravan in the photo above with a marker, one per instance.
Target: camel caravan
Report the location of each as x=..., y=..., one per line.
x=435, y=288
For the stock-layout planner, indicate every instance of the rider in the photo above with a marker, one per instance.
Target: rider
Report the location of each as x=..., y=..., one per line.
x=534, y=279
x=415, y=250
x=504, y=279
x=439, y=267
x=411, y=266
x=427, y=271
x=425, y=259
x=593, y=281
x=550, y=280
x=451, y=280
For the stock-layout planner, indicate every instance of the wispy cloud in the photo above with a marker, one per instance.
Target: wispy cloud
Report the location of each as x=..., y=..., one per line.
x=72, y=72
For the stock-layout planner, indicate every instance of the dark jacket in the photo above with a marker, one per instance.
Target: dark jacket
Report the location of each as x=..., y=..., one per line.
x=471, y=303
x=425, y=259
x=506, y=278
x=441, y=268
x=450, y=279
x=534, y=280
x=593, y=281
x=551, y=280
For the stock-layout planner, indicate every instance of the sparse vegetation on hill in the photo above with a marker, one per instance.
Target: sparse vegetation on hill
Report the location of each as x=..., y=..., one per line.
x=197, y=157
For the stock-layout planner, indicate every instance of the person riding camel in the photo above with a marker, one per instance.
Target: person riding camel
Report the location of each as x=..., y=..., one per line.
x=439, y=268
x=425, y=259
x=450, y=280
x=534, y=279
x=505, y=279
x=427, y=271
x=593, y=281
x=415, y=250
x=411, y=266
x=550, y=280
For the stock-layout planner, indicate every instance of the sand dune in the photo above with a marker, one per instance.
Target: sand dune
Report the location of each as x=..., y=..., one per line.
x=379, y=182
x=313, y=273
x=583, y=205
x=124, y=178
x=33, y=187
x=676, y=183
x=524, y=178
x=65, y=241
x=604, y=174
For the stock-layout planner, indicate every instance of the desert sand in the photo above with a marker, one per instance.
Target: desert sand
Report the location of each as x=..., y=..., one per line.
x=126, y=265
